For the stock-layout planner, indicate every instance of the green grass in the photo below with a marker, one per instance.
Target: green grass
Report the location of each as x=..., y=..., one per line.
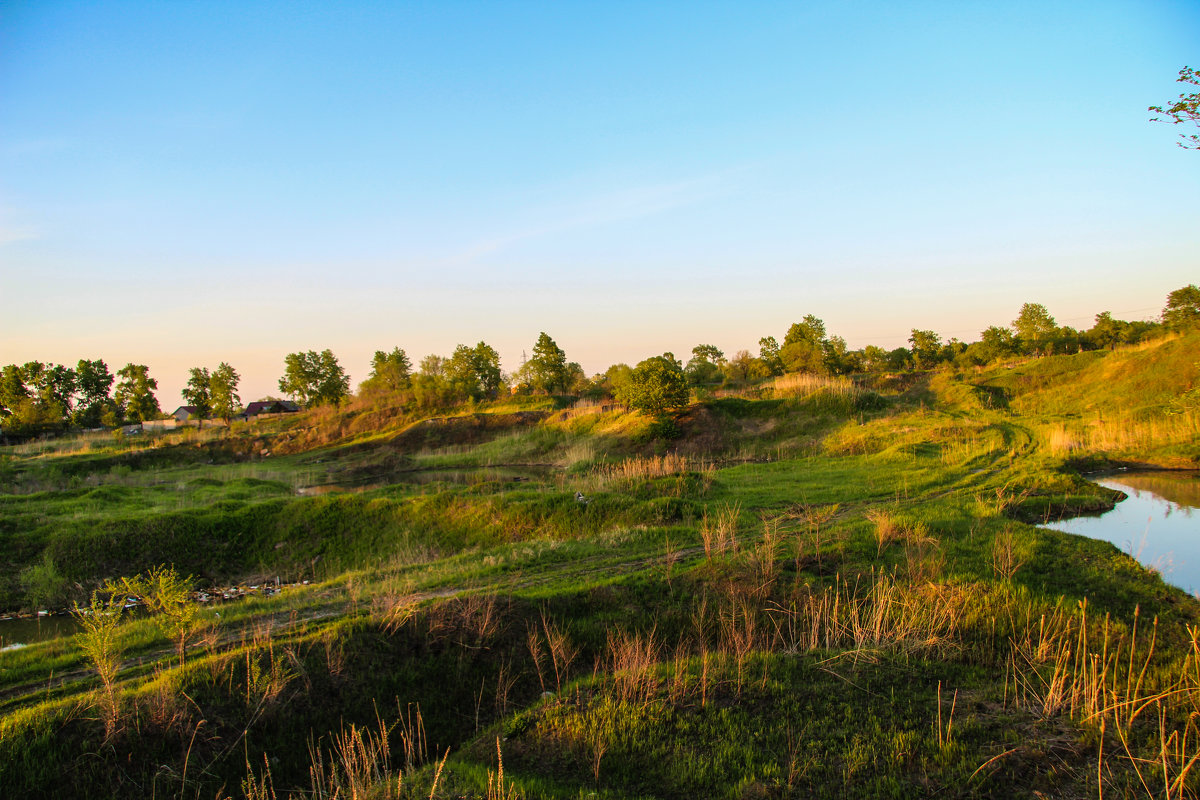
x=771, y=613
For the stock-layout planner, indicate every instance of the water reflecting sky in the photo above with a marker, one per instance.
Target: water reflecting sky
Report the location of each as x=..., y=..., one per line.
x=1159, y=524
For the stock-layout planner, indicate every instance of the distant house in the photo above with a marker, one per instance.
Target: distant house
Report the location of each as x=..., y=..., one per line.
x=184, y=413
x=260, y=407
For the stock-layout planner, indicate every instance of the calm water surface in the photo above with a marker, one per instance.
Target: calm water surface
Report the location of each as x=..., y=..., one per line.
x=16, y=632
x=1159, y=524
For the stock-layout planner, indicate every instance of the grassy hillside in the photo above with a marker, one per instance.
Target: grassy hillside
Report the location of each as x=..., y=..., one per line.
x=816, y=590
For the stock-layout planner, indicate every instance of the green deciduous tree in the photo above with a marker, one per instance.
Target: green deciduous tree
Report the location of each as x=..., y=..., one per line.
x=1106, y=332
x=1183, y=308
x=222, y=389
x=198, y=392
x=926, y=348
x=836, y=357
x=1185, y=110
x=135, y=393
x=429, y=386
x=899, y=359
x=744, y=367
x=547, y=371
x=390, y=372
x=1035, y=329
x=656, y=385
x=474, y=372
x=874, y=358
x=997, y=343
x=803, y=348
x=94, y=384
x=33, y=372
x=35, y=397
x=32, y=417
x=704, y=368
x=56, y=386
x=810, y=330
x=12, y=389
x=314, y=378
x=768, y=352
x=616, y=380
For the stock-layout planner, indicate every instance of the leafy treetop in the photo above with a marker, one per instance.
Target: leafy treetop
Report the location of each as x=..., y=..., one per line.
x=314, y=378
x=1183, y=308
x=656, y=385
x=1184, y=110
x=390, y=372
x=222, y=386
x=547, y=370
x=135, y=392
x=197, y=393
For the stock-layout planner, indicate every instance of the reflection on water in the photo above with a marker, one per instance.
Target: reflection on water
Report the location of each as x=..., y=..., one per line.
x=27, y=630
x=1159, y=524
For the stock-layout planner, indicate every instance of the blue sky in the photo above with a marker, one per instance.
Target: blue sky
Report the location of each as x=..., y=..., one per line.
x=188, y=183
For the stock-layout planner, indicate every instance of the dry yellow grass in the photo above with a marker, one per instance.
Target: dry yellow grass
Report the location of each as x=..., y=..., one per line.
x=1124, y=434
x=632, y=470
x=800, y=384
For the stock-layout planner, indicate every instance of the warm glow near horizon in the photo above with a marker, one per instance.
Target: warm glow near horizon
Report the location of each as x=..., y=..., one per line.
x=182, y=185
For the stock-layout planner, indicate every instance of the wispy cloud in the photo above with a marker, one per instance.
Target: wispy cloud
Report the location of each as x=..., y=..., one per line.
x=623, y=205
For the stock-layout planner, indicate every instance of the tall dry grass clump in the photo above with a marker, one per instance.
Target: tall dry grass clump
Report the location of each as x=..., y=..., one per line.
x=549, y=641
x=356, y=766
x=718, y=531
x=887, y=613
x=825, y=394
x=739, y=634
x=639, y=469
x=633, y=661
x=764, y=556
x=1072, y=665
x=814, y=517
x=888, y=528
x=497, y=789
x=1007, y=555
x=395, y=609
x=1063, y=441
x=1125, y=433
x=803, y=384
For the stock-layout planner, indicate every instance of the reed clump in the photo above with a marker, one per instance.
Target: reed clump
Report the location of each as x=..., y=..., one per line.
x=1115, y=680
x=633, y=471
x=885, y=614
x=633, y=663
x=548, y=640
x=357, y=765
x=718, y=531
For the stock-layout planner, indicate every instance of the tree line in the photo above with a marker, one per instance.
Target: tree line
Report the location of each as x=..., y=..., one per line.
x=663, y=382
x=38, y=397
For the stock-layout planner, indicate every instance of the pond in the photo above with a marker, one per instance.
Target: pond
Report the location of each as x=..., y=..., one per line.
x=20, y=631
x=1159, y=523
x=17, y=632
